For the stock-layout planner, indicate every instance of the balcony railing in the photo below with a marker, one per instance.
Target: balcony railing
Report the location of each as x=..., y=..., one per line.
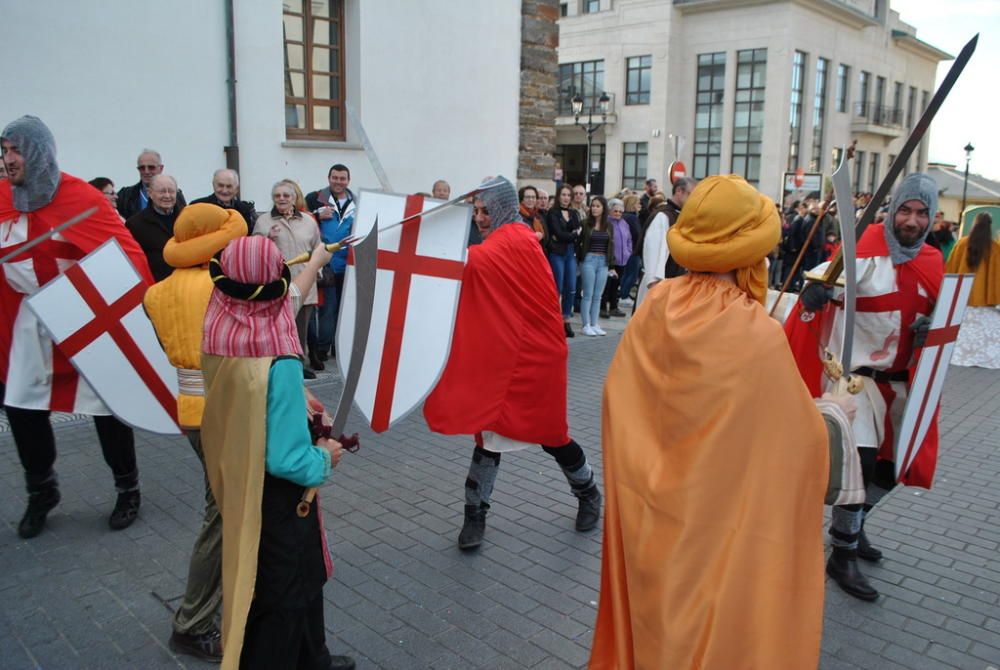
x=888, y=117
x=589, y=102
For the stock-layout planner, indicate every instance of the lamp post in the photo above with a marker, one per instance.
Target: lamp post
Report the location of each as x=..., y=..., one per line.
x=591, y=126
x=965, y=186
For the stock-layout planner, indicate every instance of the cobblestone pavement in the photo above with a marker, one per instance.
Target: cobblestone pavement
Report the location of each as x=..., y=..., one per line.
x=403, y=596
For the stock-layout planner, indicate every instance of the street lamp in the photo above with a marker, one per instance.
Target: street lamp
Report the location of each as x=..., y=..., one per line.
x=591, y=126
x=965, y=186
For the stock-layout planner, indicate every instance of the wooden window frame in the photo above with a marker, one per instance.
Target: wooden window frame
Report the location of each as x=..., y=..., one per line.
x=310, y=101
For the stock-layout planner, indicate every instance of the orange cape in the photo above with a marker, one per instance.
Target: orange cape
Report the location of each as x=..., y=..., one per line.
x=715, y=467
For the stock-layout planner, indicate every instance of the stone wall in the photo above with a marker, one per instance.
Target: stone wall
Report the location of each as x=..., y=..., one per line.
x=539, y=81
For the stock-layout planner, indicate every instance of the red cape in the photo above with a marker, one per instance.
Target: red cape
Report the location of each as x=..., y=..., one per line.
x=803, y=338
x=72, y=197
x=507, y=369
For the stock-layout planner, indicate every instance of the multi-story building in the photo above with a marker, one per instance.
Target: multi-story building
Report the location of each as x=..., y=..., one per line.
x=754, y=87
x=266, y=86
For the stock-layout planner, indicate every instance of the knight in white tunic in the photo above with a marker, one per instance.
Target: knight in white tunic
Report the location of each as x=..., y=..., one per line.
x=898, y=280
x=39, y=379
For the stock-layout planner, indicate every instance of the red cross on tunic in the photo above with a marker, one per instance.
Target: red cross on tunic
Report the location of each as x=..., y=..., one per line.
x=44, y=261
x=404, y=264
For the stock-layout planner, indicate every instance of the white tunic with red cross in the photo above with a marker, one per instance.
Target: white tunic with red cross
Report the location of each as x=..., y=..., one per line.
x=38, y=375
x=882, y=341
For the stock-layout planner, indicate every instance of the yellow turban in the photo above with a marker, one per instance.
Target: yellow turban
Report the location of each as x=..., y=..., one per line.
x=726, y=224
x=201, y=231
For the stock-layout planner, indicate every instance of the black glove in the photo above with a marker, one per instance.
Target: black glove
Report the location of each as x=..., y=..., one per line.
x=920, y=327
x=815, y=296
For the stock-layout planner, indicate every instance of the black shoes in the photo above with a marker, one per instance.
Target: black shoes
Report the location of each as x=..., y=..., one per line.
x=308, y=374
x=315, y=361
x=207, y=646
x=39, y=506
x=616, y=312
x=843, y=569
x=866, y=550
x=341, y=663
x=126, y=510
x=474, y=527
x=604, y=314
x=569, y=329
x=589, y=512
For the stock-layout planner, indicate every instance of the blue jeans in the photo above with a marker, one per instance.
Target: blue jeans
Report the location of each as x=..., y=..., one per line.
x=593, y=276
x=630, y=276
x=564, y=272
x=323, y=325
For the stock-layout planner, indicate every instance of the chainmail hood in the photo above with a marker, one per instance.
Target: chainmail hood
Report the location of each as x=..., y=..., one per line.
x=36, y=144
x=915, y=186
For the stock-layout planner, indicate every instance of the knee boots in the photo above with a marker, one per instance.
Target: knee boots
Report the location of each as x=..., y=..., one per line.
x=478, y=489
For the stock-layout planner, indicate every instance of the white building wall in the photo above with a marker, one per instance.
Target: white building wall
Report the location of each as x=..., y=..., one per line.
x=436, y=85
x=113, y=77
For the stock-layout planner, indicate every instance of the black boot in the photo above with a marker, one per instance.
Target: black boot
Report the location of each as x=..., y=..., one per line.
x=40, y=504
x=589, y=512
x=568, y=328
x=866, y=550
x=843, y=569
x=315, y=362
x=474, y=527
x=126, y=510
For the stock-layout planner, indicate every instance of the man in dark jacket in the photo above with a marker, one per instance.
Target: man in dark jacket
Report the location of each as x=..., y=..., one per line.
x=135, y=198
x=225, y=187
x=153, y=227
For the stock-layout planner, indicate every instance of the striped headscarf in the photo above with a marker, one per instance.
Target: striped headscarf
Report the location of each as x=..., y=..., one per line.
x=250, y=328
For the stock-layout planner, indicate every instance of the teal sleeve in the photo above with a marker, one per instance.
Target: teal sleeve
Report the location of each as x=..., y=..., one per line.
x=291, y=454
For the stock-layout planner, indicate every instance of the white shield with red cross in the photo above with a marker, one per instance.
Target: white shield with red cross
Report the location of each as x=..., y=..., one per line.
x=932, y=366
x=93, y=312
x=418, y=281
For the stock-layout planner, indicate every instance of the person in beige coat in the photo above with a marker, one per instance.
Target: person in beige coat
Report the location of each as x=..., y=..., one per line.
x=294, y=232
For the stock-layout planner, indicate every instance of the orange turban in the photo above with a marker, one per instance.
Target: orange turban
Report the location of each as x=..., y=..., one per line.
x=726, y=224
x=200, y=232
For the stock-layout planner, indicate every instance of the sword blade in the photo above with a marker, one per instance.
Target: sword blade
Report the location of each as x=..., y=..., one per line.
x=365, y=259
x=41, y=238
x=845, y=209
x=919, y=130
x=437, y=208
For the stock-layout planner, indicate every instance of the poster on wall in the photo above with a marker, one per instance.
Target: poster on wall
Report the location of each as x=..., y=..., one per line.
x=797, y=186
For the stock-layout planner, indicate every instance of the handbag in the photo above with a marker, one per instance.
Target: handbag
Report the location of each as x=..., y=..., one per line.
x=845, y=485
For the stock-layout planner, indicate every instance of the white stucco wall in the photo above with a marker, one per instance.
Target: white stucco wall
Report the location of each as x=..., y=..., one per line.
x=436, y=84
x=113, y=77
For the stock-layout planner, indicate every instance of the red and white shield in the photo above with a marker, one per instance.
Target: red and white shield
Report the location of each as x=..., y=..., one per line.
x=94, y=314
x=417, y=285
x=928, y=380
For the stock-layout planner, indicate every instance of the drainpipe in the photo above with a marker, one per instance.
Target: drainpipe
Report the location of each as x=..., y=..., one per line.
x=232, y=150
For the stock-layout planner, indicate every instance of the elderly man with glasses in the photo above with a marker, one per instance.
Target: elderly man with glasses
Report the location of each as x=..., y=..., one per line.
x=135, y=198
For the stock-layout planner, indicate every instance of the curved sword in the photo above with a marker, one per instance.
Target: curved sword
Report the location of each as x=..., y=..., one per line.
x=845, y=210
x=365, y=258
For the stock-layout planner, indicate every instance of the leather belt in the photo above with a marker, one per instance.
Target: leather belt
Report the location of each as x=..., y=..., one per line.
x=883, y=376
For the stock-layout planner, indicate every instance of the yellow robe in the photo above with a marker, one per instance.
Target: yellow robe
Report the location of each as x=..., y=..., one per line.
x=177, y=306
x=234, y=438
x=986, y=286
x=715, y=468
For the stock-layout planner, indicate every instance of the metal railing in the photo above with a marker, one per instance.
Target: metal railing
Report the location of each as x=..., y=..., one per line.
x=889, y=117
x=590, y=101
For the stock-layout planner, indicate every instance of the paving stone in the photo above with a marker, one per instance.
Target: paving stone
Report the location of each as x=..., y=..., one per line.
x=403, y=596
